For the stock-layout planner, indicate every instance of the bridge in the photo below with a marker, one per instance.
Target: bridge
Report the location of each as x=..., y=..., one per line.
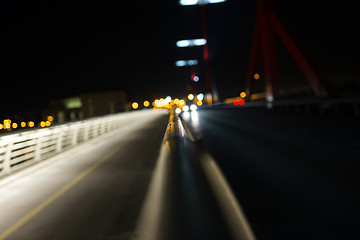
x=271, y=163
x=220, y=172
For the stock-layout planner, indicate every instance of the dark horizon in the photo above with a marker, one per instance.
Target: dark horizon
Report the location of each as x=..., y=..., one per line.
x=69, y=48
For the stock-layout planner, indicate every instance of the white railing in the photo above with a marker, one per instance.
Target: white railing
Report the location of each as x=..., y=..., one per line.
x=21, y=149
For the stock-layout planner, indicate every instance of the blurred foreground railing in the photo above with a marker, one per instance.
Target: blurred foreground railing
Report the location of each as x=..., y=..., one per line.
x=22, y=149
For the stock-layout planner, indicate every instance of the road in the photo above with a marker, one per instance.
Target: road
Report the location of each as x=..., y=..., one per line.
x=296, y=176
x=95, y=192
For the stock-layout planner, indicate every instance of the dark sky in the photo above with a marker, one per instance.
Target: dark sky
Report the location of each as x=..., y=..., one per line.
x=52, y=49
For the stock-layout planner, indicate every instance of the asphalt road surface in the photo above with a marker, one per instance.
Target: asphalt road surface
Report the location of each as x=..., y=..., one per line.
x=96, y=193
x=296, y=176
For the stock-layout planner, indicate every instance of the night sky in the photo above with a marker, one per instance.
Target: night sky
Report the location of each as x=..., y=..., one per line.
x=54, y=49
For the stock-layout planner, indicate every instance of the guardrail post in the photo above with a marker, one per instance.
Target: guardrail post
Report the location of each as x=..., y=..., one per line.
x=86, y=133
x=75, y=136
x=59, y=141
x=96, y=128
x=37, y=153
x=7, y=157
x=102, y=127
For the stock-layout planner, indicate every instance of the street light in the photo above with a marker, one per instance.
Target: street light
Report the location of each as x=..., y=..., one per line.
x=191, y=42
x=183, y=63
x=210, y=85
x=196, y=2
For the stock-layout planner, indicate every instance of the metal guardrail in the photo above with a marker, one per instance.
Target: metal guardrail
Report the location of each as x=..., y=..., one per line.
x=188, y=196
x=21, y=149
x=349, y=105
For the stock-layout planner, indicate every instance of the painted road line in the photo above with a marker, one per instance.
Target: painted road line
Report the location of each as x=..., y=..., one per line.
x=56, y=195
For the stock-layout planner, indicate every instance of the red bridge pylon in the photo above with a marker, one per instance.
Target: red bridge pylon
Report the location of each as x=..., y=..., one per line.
x=267, y=26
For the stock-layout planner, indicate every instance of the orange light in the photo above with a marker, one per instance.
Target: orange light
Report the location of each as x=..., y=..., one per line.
x=256, y=76
x=14, y=125
x=47, y=123
x=242, y=94
x=31, y=124
x=135, y=105
x=23, y=124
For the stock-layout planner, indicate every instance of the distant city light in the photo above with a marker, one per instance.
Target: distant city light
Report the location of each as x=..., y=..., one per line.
x=199, y=103
x=31, y=124
x=48, y=123
x=42, y=124
x=14, y=125
x=146, y=103
x=185, y=108
x=167, y=99
x=135, y=105
x=196, y=2
x=200, y=97
x=196, y=79
x=23, y=124
x=182, y=102
x=182, y=63
x=193, y=107
x=242, y=94
x=239, y=102
x=178, y=110
x=191, y=96
x=50, y=118
x=256, y=76
x=191, y=42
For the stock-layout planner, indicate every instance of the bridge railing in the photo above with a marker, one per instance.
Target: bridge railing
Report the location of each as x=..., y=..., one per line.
x=21, y=149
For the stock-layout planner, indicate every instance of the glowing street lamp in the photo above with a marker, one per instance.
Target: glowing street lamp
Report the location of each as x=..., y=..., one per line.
x=210, y=85
x=191, y=42
x=196, y=2
x=183, y=63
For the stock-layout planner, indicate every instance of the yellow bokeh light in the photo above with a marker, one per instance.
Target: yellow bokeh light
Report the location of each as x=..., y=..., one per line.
x=256, y=76
x=50, y=118
x=191, y=96
x=199, y=103
x=1, y=126
x=31, y=124
x=242, y=94
x=176, y=101
x=48, y=123
x=23, y=124
x=182, y=102
x=42, y=124
x=146, y=103
x=135, y=105
x=14, y=125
